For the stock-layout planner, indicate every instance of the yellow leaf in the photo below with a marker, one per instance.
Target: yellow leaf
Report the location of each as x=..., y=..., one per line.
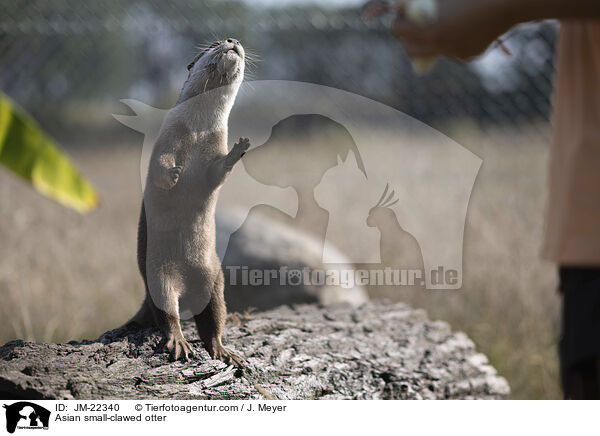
x=32, y=154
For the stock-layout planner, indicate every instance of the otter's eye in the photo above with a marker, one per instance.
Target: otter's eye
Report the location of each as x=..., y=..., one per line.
x=199, y=55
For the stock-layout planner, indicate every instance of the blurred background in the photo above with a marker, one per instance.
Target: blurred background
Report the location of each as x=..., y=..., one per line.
x=64, y=276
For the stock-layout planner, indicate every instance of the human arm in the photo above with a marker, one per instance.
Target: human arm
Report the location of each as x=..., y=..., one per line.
x=465, y=28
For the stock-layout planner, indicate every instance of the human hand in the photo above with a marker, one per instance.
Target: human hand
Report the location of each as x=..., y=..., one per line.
x=462, y=29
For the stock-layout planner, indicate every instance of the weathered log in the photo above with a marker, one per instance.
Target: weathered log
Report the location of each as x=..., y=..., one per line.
x=376, y=351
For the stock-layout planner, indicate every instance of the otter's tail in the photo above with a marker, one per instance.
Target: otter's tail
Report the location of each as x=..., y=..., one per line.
x=144, y=317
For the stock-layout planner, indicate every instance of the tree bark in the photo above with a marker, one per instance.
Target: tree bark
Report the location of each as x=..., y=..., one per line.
x=376, y=351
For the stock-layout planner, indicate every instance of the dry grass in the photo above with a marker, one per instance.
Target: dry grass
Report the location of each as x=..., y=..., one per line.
x=509, y=304
x=64, y=276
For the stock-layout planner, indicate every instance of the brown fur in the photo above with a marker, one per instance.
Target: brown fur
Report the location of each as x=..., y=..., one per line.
x=176, y=234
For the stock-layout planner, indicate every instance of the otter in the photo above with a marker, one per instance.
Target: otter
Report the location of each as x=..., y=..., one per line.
x=177, y=257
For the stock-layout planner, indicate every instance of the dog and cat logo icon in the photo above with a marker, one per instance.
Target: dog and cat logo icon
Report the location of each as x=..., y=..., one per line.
x=26, y=415
x=319, y=161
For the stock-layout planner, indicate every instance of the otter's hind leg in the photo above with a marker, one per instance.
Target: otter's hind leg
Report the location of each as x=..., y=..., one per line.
x=165, y=307
x=174, y=342
x=211, y=323
x=167, y=299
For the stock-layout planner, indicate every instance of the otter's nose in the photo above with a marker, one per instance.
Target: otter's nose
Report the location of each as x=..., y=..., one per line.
x=233, y=41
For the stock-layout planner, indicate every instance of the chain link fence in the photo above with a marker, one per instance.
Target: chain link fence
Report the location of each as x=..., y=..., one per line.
x=60, y=58
x=69, y=62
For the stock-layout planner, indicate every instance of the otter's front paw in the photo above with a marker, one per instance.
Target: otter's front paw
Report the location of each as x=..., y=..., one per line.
x=227, y=356
x=177, y=347
x=238, y=151
x=174, y=174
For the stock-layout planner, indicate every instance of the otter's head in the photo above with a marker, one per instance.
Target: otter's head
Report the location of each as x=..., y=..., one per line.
x=218, y=65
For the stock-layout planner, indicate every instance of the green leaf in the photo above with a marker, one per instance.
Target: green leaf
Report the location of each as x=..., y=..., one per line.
x=29, y=152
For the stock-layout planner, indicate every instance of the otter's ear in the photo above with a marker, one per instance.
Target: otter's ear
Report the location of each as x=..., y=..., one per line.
x=190, y=65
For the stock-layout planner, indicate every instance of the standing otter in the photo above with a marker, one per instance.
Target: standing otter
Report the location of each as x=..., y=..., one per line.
x=176, y=237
